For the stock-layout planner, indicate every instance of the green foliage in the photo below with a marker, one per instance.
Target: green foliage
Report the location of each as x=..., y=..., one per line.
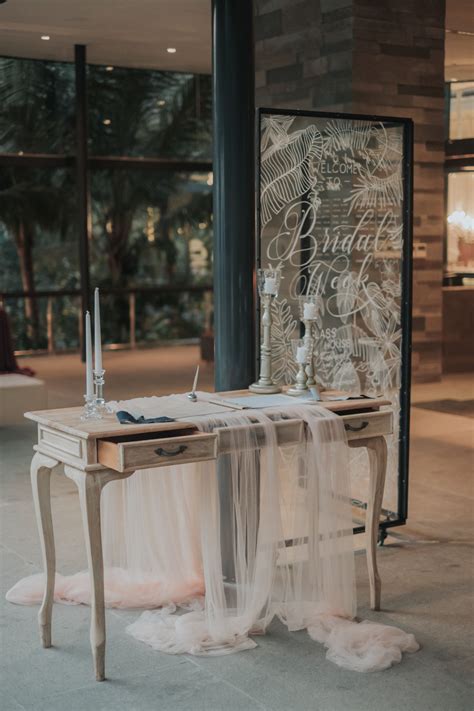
x=142, y=219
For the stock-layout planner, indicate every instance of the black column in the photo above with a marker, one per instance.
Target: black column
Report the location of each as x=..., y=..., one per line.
x=82, y=187
x=234, y=193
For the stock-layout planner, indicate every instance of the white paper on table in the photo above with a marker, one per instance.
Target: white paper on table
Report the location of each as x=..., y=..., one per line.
x=260, y=402
x=178, y=407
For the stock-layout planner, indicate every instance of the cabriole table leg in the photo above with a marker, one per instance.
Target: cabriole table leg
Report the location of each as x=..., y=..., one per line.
x=41, y=467
x=90, y=485
x=377, y=451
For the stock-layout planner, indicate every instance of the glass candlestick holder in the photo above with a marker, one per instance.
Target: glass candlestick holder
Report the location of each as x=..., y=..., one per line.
x=302, y=352
x=268, y=283
x=99, y=382
x=90, y=409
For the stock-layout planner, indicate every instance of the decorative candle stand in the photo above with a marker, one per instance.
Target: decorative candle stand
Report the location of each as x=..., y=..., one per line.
x=90, y=409
x=99, y=381
x=308, y=314
x=303, y=353
x=268, y=282
x=308, y=338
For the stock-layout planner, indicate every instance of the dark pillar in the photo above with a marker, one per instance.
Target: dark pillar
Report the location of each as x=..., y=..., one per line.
x=81, y=178
x=234, y=194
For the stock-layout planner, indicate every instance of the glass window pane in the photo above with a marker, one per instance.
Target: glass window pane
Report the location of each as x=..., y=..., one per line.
x=38, y=245
x=151, y=252
x=461, y=110
x=460, y=251
x=137, y=112
x=36, y=106
x=150, y=228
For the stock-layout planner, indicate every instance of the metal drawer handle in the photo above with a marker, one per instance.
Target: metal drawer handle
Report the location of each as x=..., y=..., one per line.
x=362, y=426
x=171, y=452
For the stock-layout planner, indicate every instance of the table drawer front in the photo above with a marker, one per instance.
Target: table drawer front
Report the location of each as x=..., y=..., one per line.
x=126, y=456
x=61, y=444
x=369, y=424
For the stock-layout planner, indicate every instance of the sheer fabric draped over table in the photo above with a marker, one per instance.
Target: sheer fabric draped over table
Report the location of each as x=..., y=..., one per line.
x=166, y=533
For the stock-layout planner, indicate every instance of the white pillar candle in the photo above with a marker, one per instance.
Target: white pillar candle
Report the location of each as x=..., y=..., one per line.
x=270, y=285
x=301, y=354
x=89, y=376
x=97, y=334
x=309, y=311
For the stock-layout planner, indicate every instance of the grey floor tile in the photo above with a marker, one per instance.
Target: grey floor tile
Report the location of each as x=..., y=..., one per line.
x=181, y=687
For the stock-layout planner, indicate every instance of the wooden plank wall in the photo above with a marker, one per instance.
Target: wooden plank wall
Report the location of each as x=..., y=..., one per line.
x=386, y=58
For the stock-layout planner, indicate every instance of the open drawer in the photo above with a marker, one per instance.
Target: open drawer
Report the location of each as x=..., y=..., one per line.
x=126, y=453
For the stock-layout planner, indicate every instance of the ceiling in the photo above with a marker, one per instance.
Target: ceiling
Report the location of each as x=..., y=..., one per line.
x=136, y=33
x=132, y=33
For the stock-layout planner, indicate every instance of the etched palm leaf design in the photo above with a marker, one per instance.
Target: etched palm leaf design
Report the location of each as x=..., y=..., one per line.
x=346, y=294
x=376, y=313
x=286, y=170
x=373, y=191
x=275, y=130
x=347, y=135
x=284, y=328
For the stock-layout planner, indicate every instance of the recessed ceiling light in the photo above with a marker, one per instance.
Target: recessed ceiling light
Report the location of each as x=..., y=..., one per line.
x=109, y=69
x=161, y=102
x=171, y=50
x=45, y=37
x=106, y=122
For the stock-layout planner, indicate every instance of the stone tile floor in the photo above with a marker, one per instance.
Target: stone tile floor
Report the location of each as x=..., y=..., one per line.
x=426, y=569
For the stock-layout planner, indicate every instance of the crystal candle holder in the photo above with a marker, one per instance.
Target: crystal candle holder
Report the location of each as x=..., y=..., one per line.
x=268, y=284
x=308, y=305
x=90, y=409
x=302, y=352
x=99, y=382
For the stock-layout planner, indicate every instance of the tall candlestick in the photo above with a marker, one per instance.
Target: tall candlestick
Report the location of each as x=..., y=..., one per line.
x=268, y=282
x=97, y=334
x=302, y=351
x=89, y=375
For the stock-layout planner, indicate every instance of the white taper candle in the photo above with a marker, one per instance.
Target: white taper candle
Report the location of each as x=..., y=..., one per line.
x=301, y=354
x=89, y=376
x=97, y=334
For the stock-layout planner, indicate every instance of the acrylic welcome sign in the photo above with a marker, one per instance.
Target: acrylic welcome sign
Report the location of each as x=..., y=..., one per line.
x=334, y=214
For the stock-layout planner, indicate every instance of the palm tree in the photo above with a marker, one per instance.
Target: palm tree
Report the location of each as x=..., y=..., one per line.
x=145, y=114
x=35, y=115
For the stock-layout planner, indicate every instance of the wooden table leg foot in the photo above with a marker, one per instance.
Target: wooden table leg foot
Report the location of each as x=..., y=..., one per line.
x=98, y=654
x=45, y=634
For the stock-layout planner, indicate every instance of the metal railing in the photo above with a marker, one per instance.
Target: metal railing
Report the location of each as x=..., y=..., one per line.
x=131, y=294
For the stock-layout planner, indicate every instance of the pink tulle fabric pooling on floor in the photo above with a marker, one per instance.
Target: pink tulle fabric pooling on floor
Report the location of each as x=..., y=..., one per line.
x=122, y=590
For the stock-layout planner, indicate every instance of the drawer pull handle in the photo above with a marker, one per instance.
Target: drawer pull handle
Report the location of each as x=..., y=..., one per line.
x=362, y=426
x=171, y=452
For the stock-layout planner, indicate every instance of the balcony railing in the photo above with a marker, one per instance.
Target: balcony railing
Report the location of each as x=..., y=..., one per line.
x=193, y=301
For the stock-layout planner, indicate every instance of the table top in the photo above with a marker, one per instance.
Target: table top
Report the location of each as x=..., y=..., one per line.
x=68, y=419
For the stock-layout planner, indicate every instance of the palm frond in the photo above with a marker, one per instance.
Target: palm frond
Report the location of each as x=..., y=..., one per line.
x=286, y=172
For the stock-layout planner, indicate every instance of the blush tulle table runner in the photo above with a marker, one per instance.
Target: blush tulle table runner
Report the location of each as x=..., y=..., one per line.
x=163, y=540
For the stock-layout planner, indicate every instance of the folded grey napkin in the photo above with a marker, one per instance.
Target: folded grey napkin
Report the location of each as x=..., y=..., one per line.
x=126, y=418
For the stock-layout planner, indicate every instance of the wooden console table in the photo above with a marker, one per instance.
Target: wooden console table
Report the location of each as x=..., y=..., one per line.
x=94, y=453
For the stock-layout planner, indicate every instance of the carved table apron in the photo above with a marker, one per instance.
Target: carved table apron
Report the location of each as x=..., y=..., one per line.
x=96, y=452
